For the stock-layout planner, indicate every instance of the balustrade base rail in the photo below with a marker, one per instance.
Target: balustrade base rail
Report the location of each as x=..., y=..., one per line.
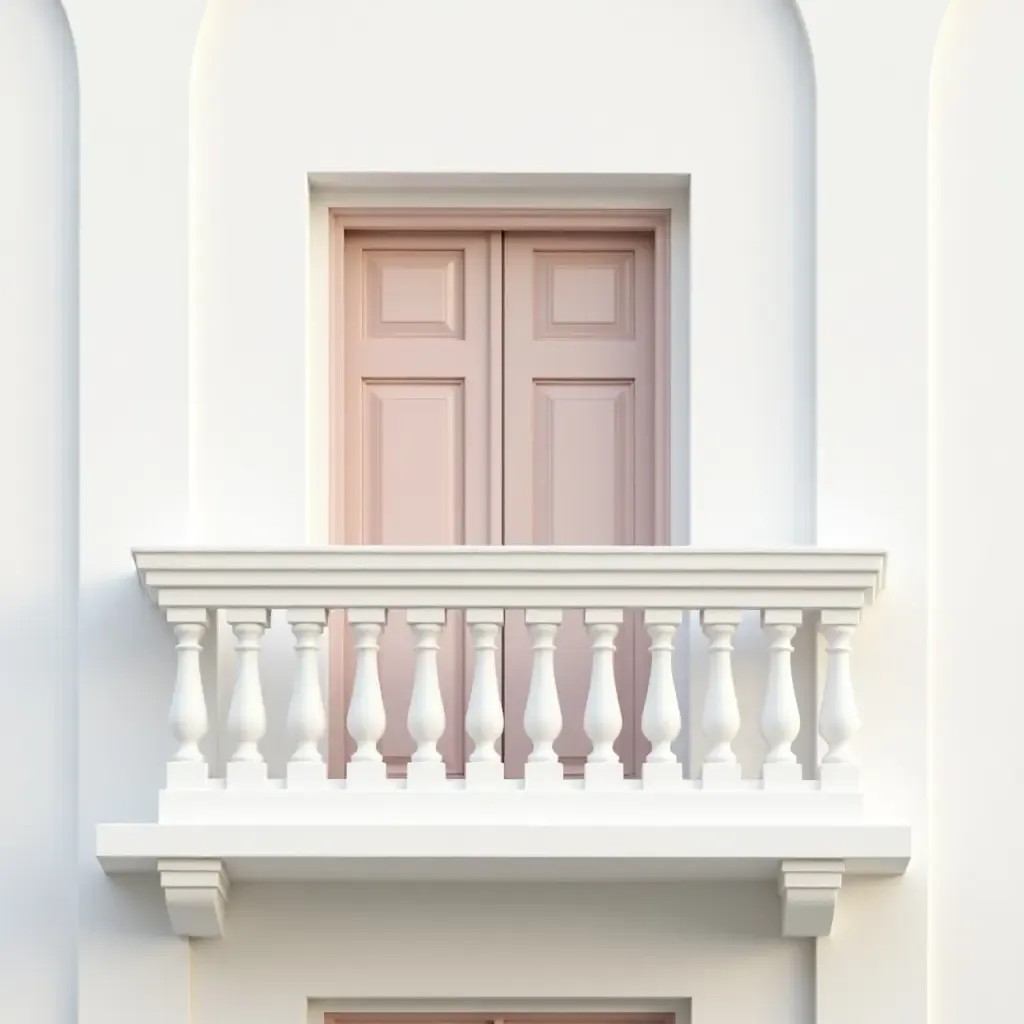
x=453, y=804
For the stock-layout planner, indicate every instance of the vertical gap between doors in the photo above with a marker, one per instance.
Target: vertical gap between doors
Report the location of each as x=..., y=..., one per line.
x=501, y=356
x=504, y=478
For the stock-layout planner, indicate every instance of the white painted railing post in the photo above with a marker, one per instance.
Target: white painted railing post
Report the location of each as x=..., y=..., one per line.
x=188, y=719
x=602, y=716
x=838, y=720
x=662, y=720
x=426, y=721
x=720, y=721
x=367, y=718
x=780, y=715
x=247, y=716
x=543, y=716
x=307, y=718
x=485, y=720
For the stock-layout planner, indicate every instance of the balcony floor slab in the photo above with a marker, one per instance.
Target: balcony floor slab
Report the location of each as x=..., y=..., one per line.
x=488, y=851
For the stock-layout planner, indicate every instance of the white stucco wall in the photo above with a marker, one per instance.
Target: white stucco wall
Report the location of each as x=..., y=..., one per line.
x=641, y=946
x=977, y=507
x=852, y=353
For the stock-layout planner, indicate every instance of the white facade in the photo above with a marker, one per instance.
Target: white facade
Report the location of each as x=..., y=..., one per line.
x=844, y=179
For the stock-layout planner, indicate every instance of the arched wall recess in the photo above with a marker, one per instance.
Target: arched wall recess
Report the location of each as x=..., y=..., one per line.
x=272, y=103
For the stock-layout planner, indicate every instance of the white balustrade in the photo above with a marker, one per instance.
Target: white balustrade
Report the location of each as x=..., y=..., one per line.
x=602, y=716
x=426, y=719
x=485, y=718
x=662, y=718
x=307, y=718
x=188, y=718
x=780, y=714
x=543, y=716
x=247, y=716
x=366, y=719
x=623, y=593
x=838, y=721
x=721, y=718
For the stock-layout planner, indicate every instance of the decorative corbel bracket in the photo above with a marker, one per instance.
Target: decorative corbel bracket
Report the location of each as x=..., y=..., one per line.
x=809, y=890
x=196, y=892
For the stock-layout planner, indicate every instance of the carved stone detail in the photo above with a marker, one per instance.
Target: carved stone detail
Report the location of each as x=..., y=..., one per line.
x=196, y=893
x=809, y=891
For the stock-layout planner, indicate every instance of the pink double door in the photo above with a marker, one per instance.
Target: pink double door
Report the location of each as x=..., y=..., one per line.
x=497, y=388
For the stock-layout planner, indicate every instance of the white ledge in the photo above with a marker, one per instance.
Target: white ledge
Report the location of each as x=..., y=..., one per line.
x=510, y=577
x=492, y=852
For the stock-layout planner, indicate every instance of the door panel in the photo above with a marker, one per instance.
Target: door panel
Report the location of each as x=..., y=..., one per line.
x=582, y=500
x=579, y=425
x=417, y=422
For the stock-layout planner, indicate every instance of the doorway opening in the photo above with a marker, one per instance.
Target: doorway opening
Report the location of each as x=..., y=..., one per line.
x=498, y=383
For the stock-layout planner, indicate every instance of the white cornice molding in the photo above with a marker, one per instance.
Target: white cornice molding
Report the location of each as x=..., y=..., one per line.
x=511, y=577
x=196, y=893
x=809, y=891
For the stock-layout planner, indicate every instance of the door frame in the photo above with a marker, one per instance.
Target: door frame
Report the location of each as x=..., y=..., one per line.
x=486, y=220
x=496, y=220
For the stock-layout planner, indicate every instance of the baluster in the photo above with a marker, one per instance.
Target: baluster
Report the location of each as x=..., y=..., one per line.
x=721, y=718
x=247, y=717
x=602, y=717
x=367, y=718
x=780, y=715
x=543, y=716
x=307, y=719
x=662, y=720
x=187, y=768
x=485, y=720
x=838, y=721
x=426, y=719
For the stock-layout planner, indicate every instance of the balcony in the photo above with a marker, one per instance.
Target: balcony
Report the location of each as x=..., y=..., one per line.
x=487, y=818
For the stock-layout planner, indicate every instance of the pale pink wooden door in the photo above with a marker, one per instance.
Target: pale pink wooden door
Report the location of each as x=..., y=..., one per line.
x=418, y=418
x=463, y=424
x=579, y=443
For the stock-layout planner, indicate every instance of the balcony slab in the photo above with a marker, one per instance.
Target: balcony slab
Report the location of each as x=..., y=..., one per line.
x=511, y=852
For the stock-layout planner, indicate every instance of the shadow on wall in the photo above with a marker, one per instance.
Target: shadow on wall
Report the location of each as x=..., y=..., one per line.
x=38, y=522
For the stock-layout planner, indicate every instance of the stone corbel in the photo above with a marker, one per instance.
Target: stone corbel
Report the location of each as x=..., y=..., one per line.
x=196, y=892
x=809, y=891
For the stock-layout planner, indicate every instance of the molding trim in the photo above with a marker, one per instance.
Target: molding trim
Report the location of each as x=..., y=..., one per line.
x=809, y=578
x=809, y=891
x=196, y=893
x=507, y=218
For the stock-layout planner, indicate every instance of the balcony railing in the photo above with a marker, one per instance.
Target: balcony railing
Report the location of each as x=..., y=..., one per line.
x=483, y=817
x=813, y=589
